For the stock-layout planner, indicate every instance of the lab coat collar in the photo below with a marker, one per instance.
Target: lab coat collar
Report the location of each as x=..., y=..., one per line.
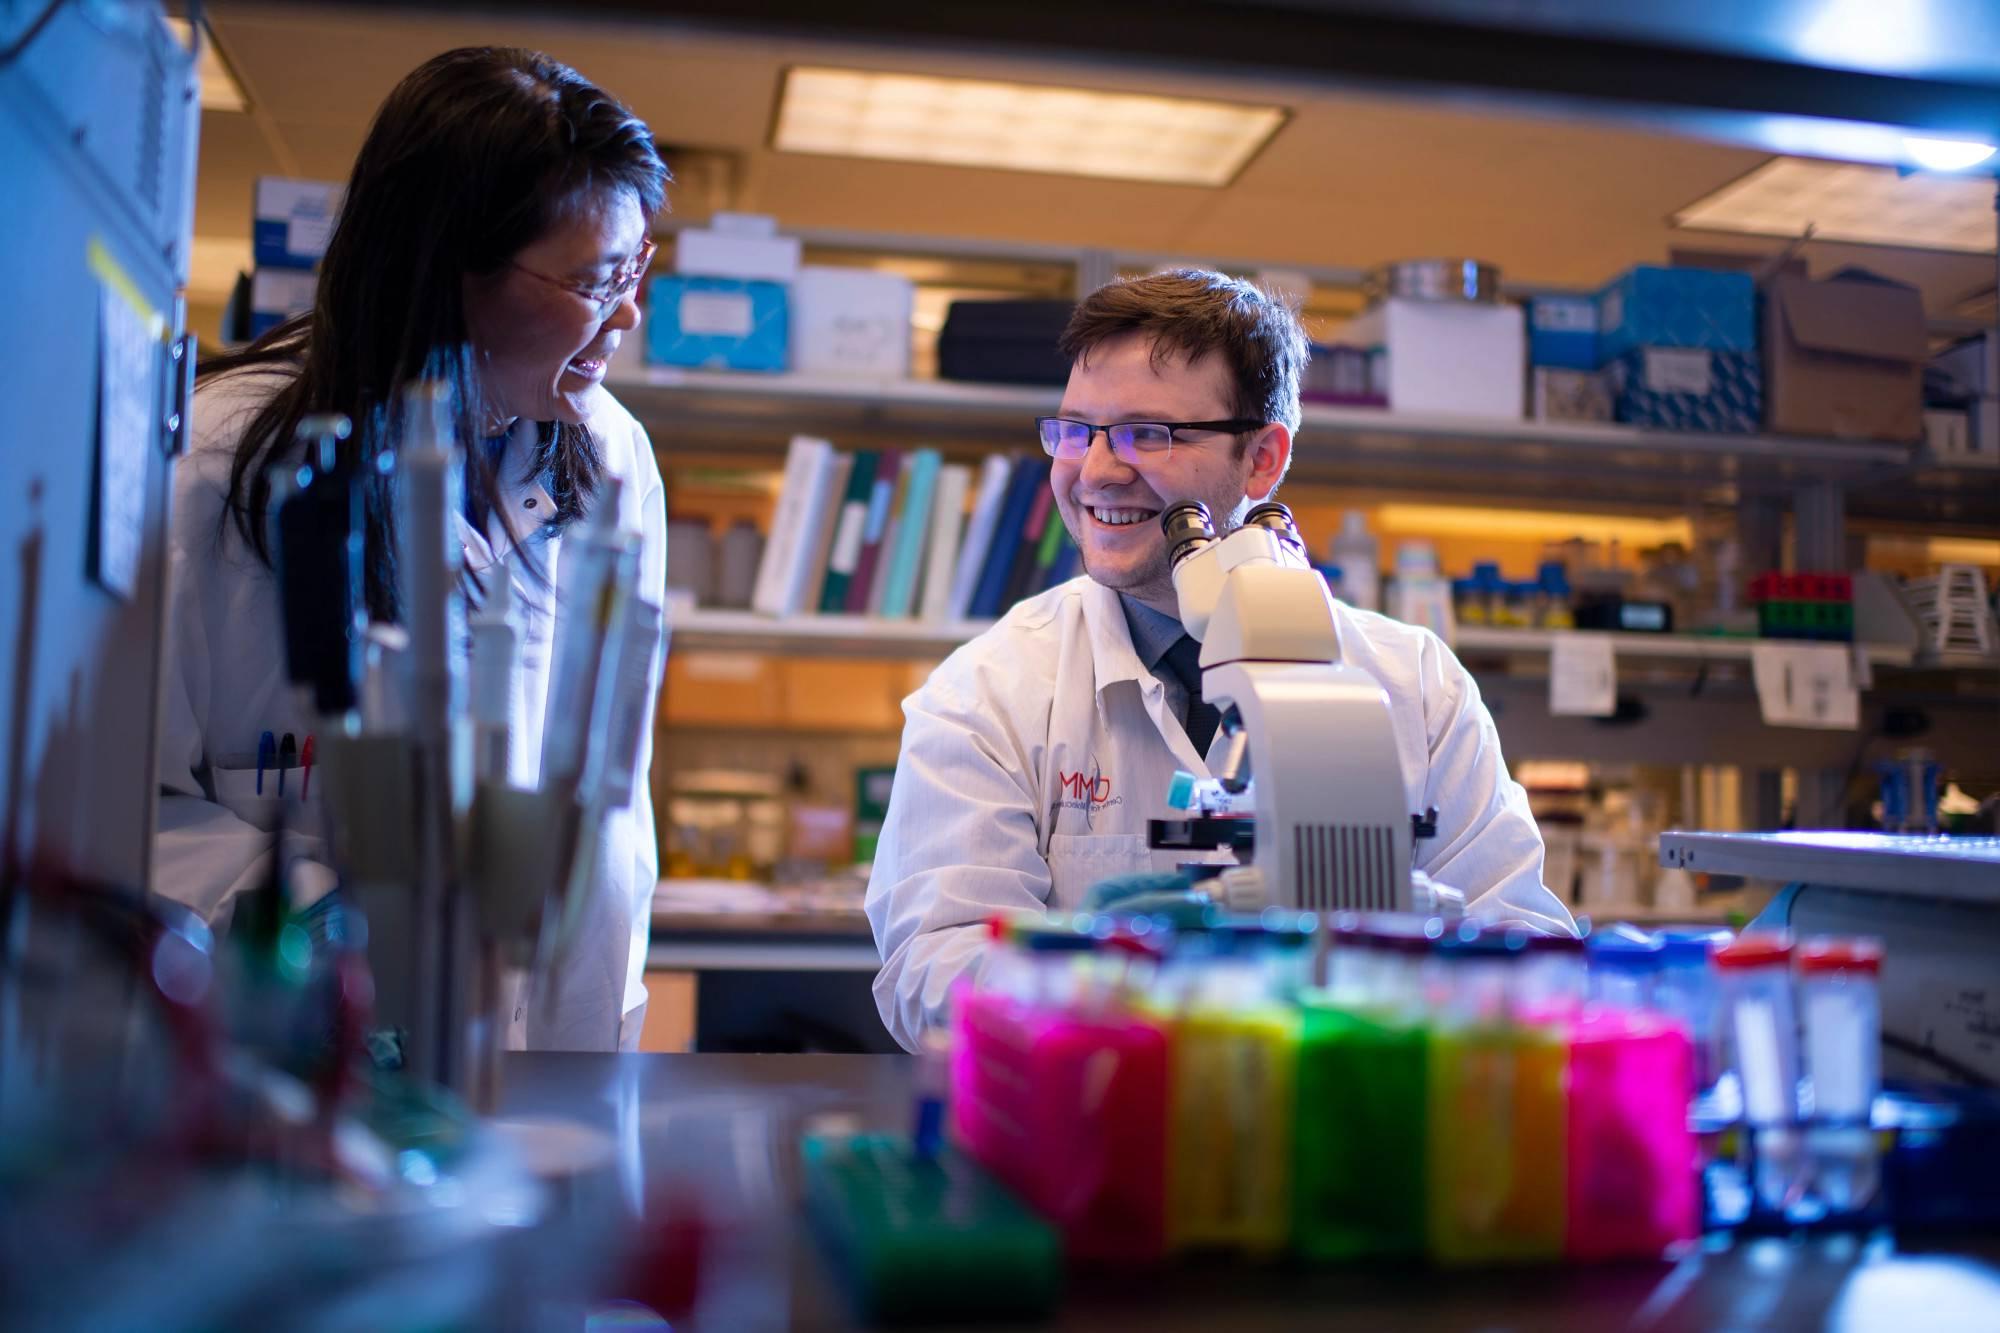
x=519, y=484
x=1113, y=659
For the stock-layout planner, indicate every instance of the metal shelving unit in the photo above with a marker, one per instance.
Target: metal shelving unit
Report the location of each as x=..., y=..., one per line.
x=873, y=636
x=687, y=410
x=819, y=635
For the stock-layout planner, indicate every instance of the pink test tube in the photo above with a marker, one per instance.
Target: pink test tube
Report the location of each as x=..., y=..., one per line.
x=1068, y=1108
x=1633, y=1183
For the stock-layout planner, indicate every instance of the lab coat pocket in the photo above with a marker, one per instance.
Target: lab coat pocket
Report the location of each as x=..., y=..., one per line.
x=297, y=809
x=1079, y=860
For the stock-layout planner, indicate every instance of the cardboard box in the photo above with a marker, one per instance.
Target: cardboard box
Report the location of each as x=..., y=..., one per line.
x=1562, y=332
x=738, y=245
x=1845, y=357
x=1688, y=389
x=1571, y=395
x=1677, y=307
x=717, y=323
x=1449, y=356
x=723, y=689
x=293, y=221
x=851, y=321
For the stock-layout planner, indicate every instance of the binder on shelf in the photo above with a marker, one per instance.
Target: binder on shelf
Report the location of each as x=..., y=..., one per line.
x=1029, y=476
x=826, y=524
x=1021, y=578
x=788, y=553
x=878, y=583
x=1054, y=537
x=947, y=525
x=853, y=529
x=880, y=505
x=1069, y=560
x=905, y=557
x=994, y=474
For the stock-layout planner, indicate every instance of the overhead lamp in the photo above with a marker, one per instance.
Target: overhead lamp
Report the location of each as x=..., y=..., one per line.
x=1019, y=126
x=1848, y=201
x=1945, y=154
x=219, y=89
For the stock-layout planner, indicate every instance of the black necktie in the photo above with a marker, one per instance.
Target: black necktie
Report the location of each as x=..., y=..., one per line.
x=1184, y=660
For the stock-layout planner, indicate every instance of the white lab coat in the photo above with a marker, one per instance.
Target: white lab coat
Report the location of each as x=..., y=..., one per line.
x=225, y=684
x=987, y=815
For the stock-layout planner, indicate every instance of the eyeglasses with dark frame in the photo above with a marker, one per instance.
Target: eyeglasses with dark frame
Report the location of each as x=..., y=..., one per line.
x=1133, y=443
x=607, y=294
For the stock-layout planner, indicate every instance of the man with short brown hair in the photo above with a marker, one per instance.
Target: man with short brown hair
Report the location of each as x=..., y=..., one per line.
x=1034, y=755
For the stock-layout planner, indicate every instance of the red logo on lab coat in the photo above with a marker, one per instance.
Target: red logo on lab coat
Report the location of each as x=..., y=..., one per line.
x=1081, y=786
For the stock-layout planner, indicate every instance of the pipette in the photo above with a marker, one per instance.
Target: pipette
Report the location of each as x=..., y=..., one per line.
x=495, y=669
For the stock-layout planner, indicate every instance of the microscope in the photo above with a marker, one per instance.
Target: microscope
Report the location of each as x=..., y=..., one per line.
x=1307, y=787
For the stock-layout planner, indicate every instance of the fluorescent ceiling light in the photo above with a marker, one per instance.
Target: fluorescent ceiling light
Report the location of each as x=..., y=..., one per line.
x=1844, y=201
x=1945, y=154
x=218, y=86
x=1018, y=126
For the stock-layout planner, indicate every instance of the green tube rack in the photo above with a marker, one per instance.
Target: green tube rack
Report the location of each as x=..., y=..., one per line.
x=926, y=1238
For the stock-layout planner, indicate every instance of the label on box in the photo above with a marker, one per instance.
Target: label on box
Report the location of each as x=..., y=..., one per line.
x=1556, y=315
x=1611, y=310
x=1961, y=1019
x=716, y=314
x=308, y=235
x=1806, y=685
x=1680, y=370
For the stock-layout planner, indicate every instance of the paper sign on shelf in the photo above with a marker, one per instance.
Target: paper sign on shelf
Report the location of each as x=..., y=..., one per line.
x=1806, y=685
x=1864, y=668
x=1583, y=676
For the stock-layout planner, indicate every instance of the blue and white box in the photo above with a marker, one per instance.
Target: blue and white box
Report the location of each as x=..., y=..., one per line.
x=294, y=221
x=276, y=294
x=1651, y=306
x=1689, y=389
x=717, y=323
x=1562, y=332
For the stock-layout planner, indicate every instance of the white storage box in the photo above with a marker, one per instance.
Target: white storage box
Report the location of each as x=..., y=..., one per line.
x=1448, y=356
x=851, y=321
x=738, y=245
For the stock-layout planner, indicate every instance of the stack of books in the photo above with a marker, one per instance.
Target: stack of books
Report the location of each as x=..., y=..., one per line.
x=889, y=533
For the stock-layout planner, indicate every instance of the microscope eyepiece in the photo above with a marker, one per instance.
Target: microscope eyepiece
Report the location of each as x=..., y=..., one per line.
x=1276, y=519
x=1274, y=516
x=1188, y=527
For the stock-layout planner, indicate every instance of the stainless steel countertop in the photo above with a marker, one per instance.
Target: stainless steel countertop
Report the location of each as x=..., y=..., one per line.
x=647, y=1102
x=1962, y=868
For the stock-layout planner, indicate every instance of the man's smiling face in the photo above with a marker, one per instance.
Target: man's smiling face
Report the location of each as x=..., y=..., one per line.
x=1112, y=508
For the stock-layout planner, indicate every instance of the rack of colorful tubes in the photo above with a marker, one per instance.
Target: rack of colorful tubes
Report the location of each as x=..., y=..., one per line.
x=1389, y=1086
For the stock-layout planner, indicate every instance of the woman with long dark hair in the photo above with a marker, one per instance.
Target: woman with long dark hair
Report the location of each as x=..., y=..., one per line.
x=492, y=236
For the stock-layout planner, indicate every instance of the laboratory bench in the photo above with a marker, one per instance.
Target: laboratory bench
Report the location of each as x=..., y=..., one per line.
x=761, y=1104
x=780, y=977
